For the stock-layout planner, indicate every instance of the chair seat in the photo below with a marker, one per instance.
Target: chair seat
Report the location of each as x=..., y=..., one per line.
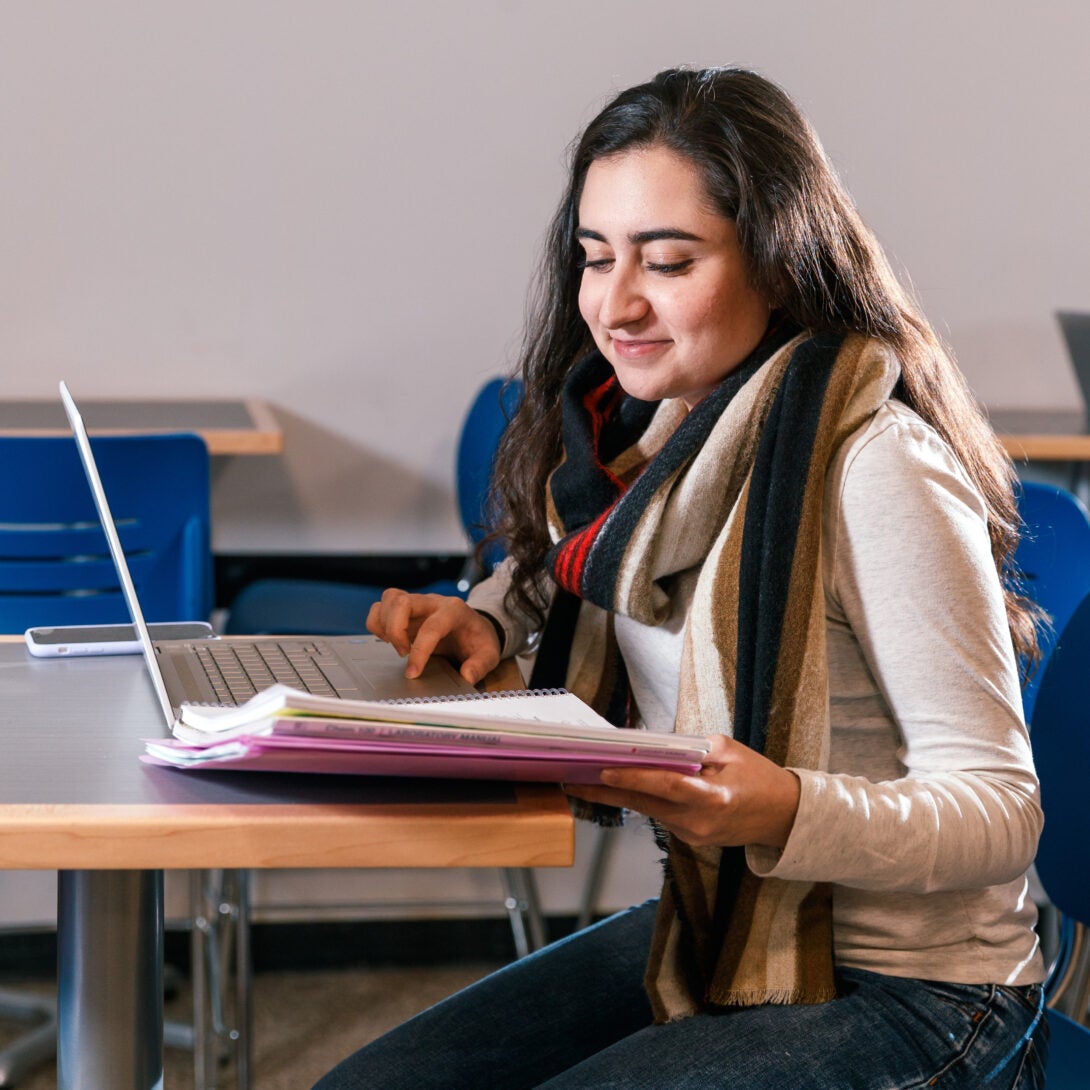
x=1068, y=1053
x=310, y=607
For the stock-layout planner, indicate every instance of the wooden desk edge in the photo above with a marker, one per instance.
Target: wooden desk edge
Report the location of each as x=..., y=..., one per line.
x=1047, y=448
x=268, y=437
x=536, y=830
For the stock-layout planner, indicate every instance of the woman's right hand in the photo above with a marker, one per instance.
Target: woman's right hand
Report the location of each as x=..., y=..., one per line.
x=422, y=625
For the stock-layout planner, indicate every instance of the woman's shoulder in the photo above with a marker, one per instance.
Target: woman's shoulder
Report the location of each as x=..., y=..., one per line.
x=896, y=472
x=896, y=446
x=893, y=425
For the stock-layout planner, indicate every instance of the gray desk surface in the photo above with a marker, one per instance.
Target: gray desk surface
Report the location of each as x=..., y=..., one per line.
x=74, y=793
x=1038, y=421
x=88, y=749
x=227, y=426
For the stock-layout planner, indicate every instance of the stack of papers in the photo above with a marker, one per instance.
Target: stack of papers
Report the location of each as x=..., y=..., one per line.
x=549, y=736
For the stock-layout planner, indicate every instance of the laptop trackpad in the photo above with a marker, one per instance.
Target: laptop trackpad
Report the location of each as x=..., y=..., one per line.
x=381, y=667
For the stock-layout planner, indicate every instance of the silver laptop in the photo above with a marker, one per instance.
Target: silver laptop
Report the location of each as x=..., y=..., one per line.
x=1076, y=330
x=227, y=672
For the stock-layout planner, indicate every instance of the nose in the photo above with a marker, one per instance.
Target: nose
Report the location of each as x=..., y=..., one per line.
x=622, y=301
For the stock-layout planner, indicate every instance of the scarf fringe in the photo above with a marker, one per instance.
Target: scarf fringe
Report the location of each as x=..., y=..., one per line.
x=749, y=997
x=609, y=817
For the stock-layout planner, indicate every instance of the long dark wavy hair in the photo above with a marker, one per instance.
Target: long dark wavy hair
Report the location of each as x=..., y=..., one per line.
x=808, y=254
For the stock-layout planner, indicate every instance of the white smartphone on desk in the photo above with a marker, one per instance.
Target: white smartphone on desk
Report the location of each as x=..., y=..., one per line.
x=107, y=639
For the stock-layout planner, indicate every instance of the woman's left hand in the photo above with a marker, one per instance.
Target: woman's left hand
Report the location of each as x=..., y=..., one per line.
x=739, y=797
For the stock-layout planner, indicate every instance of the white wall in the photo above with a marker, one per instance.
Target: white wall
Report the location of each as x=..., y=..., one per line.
x=336, y=205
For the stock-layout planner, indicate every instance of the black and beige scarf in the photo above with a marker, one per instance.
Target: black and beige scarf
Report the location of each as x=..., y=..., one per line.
x=733, y=490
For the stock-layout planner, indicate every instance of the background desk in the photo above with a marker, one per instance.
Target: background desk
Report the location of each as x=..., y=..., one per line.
x=227, y=427
x=76, y=798
x=1058, y=436
x=249, y=426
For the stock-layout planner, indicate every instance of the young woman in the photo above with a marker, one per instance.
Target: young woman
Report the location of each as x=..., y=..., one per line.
x=747, y=495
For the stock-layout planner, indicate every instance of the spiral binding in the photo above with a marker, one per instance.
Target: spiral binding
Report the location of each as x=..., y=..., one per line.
x=458, y=697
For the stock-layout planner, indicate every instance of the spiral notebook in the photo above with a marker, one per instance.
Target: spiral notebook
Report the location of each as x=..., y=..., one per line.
x=548, y=735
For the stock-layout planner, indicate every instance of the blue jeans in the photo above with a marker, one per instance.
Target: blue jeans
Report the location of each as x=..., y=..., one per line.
x=574, y=1016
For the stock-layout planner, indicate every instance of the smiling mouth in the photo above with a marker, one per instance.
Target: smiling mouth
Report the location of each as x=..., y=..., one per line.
x=634, y=350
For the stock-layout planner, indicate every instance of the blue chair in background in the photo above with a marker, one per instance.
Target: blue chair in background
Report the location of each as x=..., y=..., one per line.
x=55, y=568
x=1060, y=736
x=1054, y=559
x=314, y=607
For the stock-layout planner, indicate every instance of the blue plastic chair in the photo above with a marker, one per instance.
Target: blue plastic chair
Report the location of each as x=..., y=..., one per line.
x=1054, y=558
x=314, y=607
x=55, y=568
x=1060, y=736
x=1068, y=1053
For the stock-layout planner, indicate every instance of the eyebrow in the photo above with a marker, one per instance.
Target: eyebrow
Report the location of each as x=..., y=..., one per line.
x=640, y=238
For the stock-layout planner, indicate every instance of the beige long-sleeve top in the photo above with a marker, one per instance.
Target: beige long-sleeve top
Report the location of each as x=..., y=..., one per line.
x=928, y=817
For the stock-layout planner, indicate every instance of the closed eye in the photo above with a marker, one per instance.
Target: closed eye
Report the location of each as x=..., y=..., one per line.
x=669, y=268
x=598, y=263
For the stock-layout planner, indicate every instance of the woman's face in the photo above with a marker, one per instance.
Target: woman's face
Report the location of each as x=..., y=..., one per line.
x=664, y=290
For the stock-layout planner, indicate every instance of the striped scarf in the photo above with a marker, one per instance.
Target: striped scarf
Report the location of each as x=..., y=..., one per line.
x=733, y=490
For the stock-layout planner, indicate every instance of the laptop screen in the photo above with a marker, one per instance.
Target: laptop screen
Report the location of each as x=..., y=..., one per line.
x=117, y=553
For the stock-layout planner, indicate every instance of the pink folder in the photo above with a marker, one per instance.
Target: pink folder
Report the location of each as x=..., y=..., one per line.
x=299, y=754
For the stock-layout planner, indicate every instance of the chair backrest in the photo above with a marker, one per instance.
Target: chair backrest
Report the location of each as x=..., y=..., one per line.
x=1060, y=736
x=496, y=402
x=1054, y=558
x=55, y=566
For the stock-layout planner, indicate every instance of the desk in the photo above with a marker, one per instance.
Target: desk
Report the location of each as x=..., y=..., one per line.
x=227, y=427
x=75, y=798
x=1044, y=436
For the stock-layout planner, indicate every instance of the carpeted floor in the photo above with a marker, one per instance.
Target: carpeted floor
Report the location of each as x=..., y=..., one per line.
x=304, y=1022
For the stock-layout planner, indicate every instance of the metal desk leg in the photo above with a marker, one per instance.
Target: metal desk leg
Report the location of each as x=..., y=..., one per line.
x=596, y=875
x=244, y=1014
x=523, y=908
x=220, y=906
x=110, y=980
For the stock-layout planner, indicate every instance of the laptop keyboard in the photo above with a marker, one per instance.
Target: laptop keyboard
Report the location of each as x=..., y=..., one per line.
x=236, y=673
